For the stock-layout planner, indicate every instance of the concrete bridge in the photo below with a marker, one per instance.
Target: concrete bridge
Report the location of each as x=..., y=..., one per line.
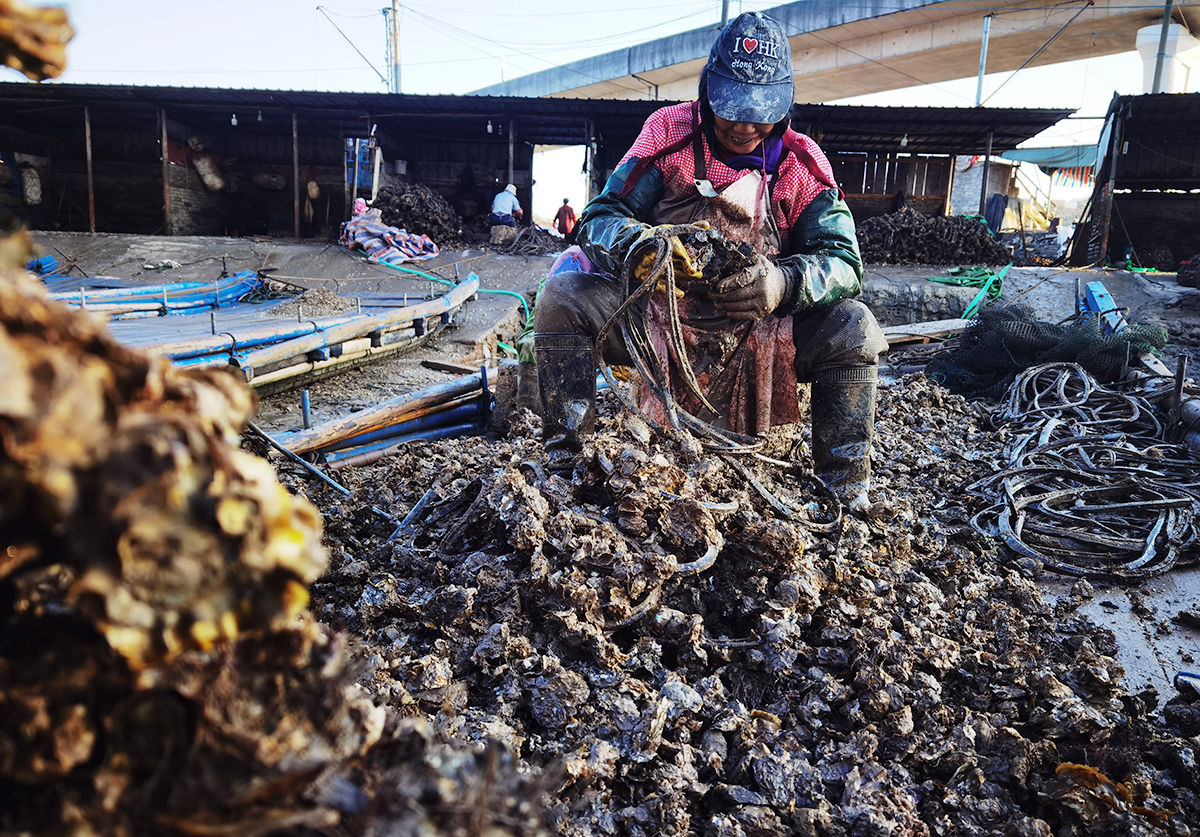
x=844, y=49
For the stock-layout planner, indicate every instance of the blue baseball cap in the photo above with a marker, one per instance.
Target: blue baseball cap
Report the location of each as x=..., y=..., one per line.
x=749, y=70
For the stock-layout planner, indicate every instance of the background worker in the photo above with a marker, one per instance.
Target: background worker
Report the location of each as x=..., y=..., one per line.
x=506, y=209
x=564, y=221
x=729, y=158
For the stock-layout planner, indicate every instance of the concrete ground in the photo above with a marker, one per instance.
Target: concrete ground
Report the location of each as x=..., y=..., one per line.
x=1154, y=645
x=903, y=294
x=313, y=265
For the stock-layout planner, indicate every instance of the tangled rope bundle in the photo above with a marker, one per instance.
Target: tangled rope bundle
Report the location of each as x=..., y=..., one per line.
x=1091, y=488
x=630, y=321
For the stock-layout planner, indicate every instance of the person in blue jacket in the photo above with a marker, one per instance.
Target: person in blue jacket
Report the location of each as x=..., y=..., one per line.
x=506, y=209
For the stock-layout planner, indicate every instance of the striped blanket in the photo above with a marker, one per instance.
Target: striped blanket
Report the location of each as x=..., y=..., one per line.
x=382, y=243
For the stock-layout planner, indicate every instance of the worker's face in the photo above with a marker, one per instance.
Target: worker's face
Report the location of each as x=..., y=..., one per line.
x=740, y=137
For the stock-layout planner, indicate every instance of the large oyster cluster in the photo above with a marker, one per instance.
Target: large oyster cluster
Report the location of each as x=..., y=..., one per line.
x=893, y=676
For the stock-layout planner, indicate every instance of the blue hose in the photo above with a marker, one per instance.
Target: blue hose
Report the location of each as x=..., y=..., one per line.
x=455, y=415
x=430, y=435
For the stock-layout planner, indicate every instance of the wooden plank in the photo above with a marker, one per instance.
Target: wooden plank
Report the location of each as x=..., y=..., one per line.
x=923, y=332
x=447, y=366
x=381, y=415
x=359, y=326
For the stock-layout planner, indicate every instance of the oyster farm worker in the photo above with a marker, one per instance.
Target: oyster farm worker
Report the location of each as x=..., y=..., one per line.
x=731, y=159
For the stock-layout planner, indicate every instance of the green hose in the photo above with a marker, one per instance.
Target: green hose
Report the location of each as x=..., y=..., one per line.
x=433, y=278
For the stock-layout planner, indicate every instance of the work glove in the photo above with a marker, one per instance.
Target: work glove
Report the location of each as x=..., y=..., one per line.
x=752, y=293
x=645, y=255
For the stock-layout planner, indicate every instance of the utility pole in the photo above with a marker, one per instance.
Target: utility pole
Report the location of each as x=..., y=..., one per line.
x=1162, y=48
x=724, y=13
x=983, y=45
x=395, y=39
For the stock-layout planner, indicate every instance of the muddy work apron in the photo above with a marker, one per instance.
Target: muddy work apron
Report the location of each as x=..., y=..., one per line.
x=745, y=369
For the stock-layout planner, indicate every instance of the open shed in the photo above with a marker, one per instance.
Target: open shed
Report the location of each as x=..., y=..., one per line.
x=1146, y=197
x=288, y=163
x=885, y=157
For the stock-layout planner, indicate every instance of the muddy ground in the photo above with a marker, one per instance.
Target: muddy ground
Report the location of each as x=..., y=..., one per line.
x=898, y=675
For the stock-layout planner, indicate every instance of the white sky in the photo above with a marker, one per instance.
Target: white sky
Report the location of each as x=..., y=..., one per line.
x=455, y=46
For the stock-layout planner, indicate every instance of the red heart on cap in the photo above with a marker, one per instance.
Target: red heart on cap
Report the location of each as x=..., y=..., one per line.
x=749, y=44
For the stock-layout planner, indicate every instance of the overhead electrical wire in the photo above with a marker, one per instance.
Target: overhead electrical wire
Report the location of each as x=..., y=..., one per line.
x=886, y=65
x=1087, y=5
x=471, y=35
x=356, y=49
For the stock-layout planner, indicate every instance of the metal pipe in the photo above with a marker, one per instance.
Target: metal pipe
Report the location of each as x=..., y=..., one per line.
x=381, y=415
x=987, y=164
x=589, y=159
x=413, y=512
x=1189, y=408
x=983, y=48
x=395, y=24
x=947, y=204
x=382, y=437
x=434, y=435
x=87, y=147
x=308, y=466
x=305, y=410
x=314, y=470
x=1160, y=59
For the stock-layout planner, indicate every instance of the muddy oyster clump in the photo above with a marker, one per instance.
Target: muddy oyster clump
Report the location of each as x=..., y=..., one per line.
x=891, y=676
x=158, y=673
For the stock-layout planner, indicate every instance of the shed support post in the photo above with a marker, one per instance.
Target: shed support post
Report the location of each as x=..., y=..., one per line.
x=589, y=160
x=166, y=172
x=354, y=191
x=510, y=154
x=948, y=204
x=91, y=181
x=295, y=177
x=987, y=164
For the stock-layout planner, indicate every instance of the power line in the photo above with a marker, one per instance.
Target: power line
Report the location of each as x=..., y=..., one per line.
x=471, y=35
x=356, y=49
x=887, y=66
x=1087, y=5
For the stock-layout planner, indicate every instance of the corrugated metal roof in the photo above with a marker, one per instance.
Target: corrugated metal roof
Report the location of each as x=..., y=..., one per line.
x=928, y=130
x=1159, y=143
x=551, y=121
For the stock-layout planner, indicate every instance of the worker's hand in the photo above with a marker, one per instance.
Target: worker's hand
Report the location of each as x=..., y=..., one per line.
x=645, y=255
x=753, y=293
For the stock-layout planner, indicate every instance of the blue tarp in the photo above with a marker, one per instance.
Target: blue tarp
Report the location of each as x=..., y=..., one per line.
x=1060, y=157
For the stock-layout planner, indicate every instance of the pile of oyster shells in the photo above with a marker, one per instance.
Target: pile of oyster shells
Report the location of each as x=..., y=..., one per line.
x=891, y=675
x=158, y=672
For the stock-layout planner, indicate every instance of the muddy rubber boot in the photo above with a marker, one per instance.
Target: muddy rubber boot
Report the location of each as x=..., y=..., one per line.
x=843, y=427
x=566, y=371
x=529, y=395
